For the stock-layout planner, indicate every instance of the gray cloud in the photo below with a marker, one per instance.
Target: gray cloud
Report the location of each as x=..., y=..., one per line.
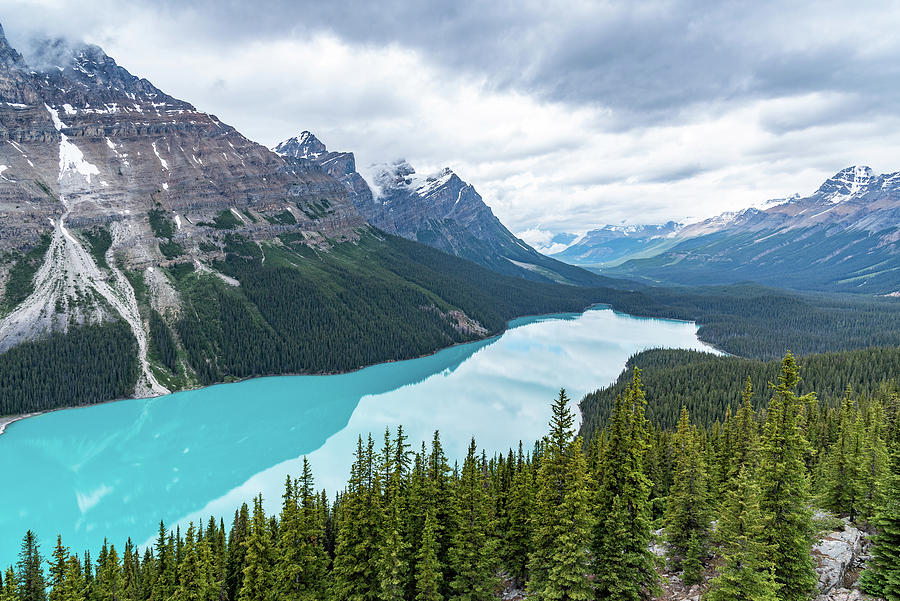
x=673, y=106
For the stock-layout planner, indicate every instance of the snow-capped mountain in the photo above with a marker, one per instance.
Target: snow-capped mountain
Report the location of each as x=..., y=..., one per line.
x=611, y=243
x=845, y=236
x=438, y=209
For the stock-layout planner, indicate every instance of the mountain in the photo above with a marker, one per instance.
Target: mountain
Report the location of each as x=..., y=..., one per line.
x=611, y=243
x=440, y=210
x=844, y=237
x=146, y=246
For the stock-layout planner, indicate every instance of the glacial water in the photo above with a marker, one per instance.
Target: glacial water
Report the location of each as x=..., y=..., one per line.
x=115, y=470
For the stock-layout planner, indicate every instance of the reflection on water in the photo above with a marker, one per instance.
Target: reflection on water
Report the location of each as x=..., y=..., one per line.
x=115, y=470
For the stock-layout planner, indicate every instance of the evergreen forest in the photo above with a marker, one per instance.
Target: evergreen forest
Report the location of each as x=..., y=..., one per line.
x=731, y=505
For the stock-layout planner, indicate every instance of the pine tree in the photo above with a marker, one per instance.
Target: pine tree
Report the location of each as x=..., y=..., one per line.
x=622, y=561
x=687, y=509
x=746, y=572
x=58, y=568
x=882, y=574
x=10, y=589
x=30, y=571
x=559, y=565
x=841, y=464
x=428, y=571
x=472, y=553
x=784, y=489
x=257, y=584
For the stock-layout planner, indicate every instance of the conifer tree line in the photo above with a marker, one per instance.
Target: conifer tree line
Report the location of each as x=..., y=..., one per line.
x=734, y=504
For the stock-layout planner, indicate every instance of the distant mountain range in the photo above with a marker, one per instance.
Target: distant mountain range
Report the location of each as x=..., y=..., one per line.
x=440, y=210
x=844, y=237
x=613, y=243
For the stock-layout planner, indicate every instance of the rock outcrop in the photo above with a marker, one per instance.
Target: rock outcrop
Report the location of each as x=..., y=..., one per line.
x=839, y=557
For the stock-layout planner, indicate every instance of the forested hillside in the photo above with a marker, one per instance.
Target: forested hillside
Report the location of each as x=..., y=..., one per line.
x=763, y=323
x=561, y=521
x=711, y=385
x=287, y=308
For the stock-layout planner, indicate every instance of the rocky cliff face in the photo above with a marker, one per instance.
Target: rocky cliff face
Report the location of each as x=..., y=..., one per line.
x=86, y=147
x=440, y=210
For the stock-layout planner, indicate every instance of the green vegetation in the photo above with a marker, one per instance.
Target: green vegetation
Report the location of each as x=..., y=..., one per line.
x=99, y=240
x=710, y=385
x=763, y=323
x=162, y=345
x=171, y=249
x=284, y=217
x=162, y=226
x=360, y=303
x=20, y=283
x=89, y=364
x=564, y=521
x=225, y=220
x=831, y=258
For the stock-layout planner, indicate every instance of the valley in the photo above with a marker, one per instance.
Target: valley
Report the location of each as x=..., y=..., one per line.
x=92, y=454
x=195, y=325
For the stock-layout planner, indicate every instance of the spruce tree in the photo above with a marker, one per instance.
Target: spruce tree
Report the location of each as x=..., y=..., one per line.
x=30, y=570
x=746, y=572
x=74, y=587
x=687, y=508
x=873, y=460
x=164, y=586
x=519, y=534
x=258, y=577
x=882, y=574
x=841, y=464
x=428, y=571
x=622, y=562
x=784, y=488
x=559, y=565
x=58, y=568
x=391, y=552
x=10, y=589
x=472, y=555
x=355, y=573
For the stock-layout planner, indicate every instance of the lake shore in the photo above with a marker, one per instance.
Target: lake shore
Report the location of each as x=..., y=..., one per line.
x=9, y=419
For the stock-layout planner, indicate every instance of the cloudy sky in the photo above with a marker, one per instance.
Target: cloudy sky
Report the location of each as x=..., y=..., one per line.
x=564, y=115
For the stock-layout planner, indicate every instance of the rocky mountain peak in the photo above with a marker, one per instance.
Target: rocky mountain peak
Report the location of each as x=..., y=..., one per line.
x=846, y=183
x=9, y=56
x=304, y=146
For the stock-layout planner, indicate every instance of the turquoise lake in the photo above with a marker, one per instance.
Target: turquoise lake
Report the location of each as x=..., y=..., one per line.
x=114, y=470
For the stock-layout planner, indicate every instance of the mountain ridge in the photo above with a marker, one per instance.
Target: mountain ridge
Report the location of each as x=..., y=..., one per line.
x=843, y=237
x=440, y=210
